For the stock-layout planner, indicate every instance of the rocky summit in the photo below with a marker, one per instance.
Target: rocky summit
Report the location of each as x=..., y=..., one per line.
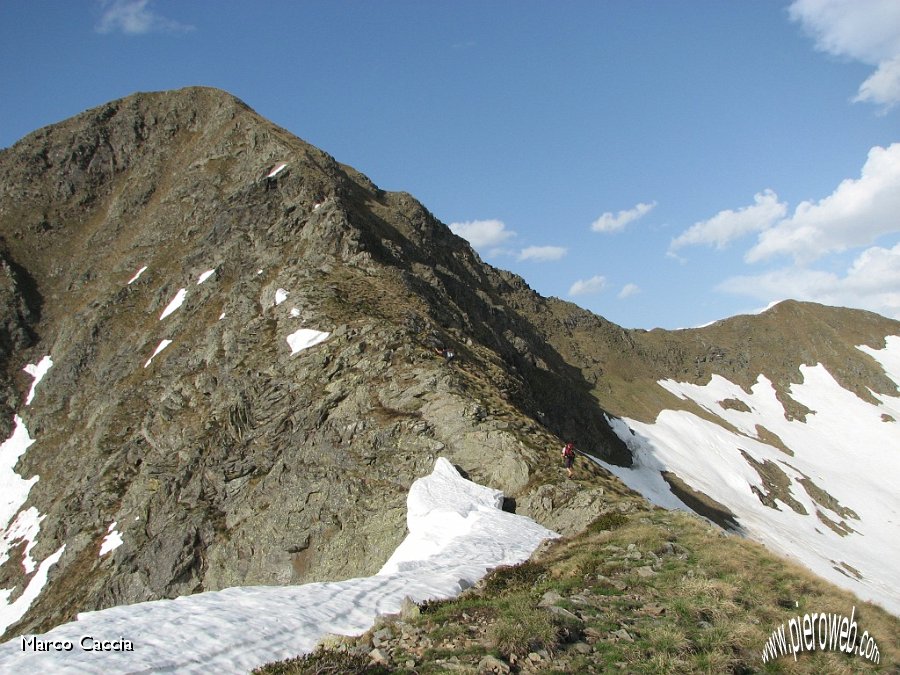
x=246, y=352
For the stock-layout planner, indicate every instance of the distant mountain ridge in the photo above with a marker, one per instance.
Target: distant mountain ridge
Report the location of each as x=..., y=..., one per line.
x=222, y=456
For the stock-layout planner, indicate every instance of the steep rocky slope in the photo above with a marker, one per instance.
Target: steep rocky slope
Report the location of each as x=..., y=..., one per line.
x=163, y=248
x=225, y=458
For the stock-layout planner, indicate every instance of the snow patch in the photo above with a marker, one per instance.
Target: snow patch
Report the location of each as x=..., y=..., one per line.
x=889, y=357
x=304, y=338
x=457, y=533
x=37, y=372
x=10, y=613
x=450, y=517
x=111, y=541
x=13, y=488
x=177, y=301
x=26, y=525
x=137, y=275
x=280, y=296
x=206, y=275
x=295, y=312
x=645, y=473
x=25, y=528
x=162, y=345
x=277, y=169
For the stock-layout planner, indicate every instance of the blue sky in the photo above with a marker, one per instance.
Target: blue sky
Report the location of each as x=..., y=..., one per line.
x=659, y=163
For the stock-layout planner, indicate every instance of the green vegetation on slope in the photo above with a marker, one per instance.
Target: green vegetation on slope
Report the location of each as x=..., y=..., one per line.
x=650, y=592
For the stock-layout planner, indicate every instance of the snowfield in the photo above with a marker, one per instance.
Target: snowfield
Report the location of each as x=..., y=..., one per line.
x=457, y=532
x=849, y=448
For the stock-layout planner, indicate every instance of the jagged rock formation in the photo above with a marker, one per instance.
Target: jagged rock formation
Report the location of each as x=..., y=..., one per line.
x=223, y=456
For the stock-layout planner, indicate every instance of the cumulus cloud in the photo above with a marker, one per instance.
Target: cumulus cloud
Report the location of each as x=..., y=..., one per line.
x=588, y=286
x=855, y=214
x=135, y=17
x=542, y=253
x=610, y=222
x=482, y=233
x=728, y=225
x=628, y=290
x=862, y=30
x=872, y=282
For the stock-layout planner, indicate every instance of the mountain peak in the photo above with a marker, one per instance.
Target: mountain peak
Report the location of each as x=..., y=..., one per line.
x=245, y=332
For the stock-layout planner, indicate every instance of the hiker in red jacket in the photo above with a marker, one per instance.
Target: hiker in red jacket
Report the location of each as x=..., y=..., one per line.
x=568, y=453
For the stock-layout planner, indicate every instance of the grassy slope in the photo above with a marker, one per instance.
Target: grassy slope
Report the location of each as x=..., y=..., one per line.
x=660, y=592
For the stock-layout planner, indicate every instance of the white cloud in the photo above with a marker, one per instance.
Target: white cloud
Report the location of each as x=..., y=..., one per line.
x=728, y=225
x=628, y=290
x=872, y=282
x=613, y=223
x=135, y=17
x=855, y=214
x=588, y=286
x=482, y=233
x=542, y=253
x=863, y=30
x=882, y=87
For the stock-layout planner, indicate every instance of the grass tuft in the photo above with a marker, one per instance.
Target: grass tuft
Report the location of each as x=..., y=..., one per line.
x=522, y=628
x=324, y=662
x=514, y=577
x=607, y=521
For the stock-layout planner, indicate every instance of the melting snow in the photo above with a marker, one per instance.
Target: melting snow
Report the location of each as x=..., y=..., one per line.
x=456, y=533
x=137, y=275
x=111, y=541
x=280, y=296
x=25, y=527
x=277, y=170
x=162, y=345
x=295, y=312
x=889, y=357
x=305, y=337
x=15, y=489
x=855, y=463
x=10, y=613
x=177, y=301
x=206, y=275
x=37, y=372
